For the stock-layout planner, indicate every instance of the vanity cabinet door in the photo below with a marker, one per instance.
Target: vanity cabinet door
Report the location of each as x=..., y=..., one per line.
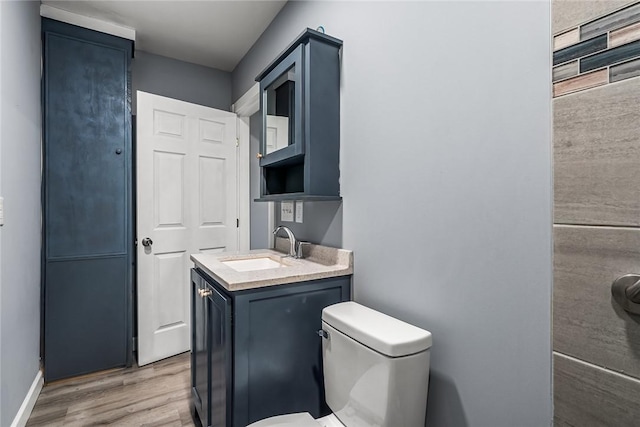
x=210, y=352
x=199, y=348
x=220, y=342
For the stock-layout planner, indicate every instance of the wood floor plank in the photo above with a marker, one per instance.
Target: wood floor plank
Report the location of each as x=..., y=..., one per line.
x=67, y=396
x=47, y=416
x=131, y=393
x=154, y=395
x=172, y=420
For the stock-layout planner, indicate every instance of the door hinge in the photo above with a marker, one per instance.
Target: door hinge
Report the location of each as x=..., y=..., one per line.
x=237, y=223
x=237, y=142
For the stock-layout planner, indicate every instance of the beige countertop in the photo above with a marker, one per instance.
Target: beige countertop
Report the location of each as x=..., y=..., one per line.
x=319, y=262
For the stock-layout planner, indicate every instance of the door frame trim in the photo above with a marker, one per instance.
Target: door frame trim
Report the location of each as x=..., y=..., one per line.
x=246, y=106
x=244, y=192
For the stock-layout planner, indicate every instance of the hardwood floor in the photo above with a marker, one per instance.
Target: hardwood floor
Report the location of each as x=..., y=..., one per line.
x=154, y=395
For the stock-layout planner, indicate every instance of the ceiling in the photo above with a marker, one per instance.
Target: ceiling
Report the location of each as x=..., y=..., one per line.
x=214, y=33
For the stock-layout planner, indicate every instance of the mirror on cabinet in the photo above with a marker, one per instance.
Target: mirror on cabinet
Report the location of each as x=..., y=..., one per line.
x=280, y=112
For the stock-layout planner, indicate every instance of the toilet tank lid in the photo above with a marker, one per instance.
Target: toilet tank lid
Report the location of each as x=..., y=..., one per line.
x=382, y=333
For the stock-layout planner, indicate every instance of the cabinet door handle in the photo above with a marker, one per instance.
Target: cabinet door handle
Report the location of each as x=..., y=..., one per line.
x=204, y=292
x=259, y=156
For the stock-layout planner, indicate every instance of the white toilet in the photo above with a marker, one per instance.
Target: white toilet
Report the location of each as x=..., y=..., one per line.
x=376, y=371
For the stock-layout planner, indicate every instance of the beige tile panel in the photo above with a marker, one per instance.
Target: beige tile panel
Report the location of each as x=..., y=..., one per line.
x=585, y=81
x=624, y=35
x=566, y=14
x=566, y=39
x=596, y=156
x=587, y=324
x=588, y=396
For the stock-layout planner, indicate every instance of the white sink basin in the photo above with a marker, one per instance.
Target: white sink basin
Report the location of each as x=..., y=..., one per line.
x=253, y=264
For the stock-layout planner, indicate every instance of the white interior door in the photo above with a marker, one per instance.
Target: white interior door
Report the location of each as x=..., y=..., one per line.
x=187, y=202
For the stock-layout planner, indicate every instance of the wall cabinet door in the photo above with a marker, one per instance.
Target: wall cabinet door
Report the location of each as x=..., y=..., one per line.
x=281, y=106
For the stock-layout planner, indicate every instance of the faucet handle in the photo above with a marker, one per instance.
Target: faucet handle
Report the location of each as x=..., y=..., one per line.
x=300, y=250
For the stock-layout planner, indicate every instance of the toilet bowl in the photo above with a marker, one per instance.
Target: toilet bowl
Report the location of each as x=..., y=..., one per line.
x=376, y=371
x=302, y=419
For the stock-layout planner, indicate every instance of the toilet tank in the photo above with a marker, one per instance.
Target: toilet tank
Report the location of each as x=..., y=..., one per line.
x=376, y=367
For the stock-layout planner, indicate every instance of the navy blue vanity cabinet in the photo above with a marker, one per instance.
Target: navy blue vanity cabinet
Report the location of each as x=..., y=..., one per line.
x=300, y=106
x=256, y=353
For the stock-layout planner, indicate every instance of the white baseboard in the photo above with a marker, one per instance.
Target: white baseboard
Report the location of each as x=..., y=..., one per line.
x=29, y=402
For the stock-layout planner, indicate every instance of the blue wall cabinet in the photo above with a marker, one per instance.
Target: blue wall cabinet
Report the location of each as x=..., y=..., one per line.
x=256, y=353
x=87, y=205
x=300, y=112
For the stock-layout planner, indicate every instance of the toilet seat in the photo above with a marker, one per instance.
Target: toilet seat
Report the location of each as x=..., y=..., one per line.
x=301, y=419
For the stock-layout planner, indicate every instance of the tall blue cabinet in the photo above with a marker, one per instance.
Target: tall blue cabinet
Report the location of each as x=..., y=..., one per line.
x=87, y=201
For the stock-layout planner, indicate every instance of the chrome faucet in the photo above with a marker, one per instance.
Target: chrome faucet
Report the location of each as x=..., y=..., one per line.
x=293, y=242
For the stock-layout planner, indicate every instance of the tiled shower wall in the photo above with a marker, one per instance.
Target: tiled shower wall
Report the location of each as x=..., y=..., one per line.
x=603, y=50
x=597, y=210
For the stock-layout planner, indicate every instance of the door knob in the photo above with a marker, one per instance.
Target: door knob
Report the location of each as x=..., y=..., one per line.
x=146, y=242
x=626, y=292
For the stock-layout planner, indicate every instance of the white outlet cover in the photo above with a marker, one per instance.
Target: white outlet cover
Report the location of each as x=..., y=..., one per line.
x=299, y=211
x=286, y=211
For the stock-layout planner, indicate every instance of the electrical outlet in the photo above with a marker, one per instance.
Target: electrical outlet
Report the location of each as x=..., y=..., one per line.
x=286, y=211
x=299, y=211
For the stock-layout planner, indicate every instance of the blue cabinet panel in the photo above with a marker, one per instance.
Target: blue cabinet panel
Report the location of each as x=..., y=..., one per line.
x=87, y=201
x=85, y=127
x=86, y=325
x=289, y=362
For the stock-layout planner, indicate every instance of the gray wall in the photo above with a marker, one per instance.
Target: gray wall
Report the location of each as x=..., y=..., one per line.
x=181, y=80
x=20, y=237
x=446, y=179
x=321, y=223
